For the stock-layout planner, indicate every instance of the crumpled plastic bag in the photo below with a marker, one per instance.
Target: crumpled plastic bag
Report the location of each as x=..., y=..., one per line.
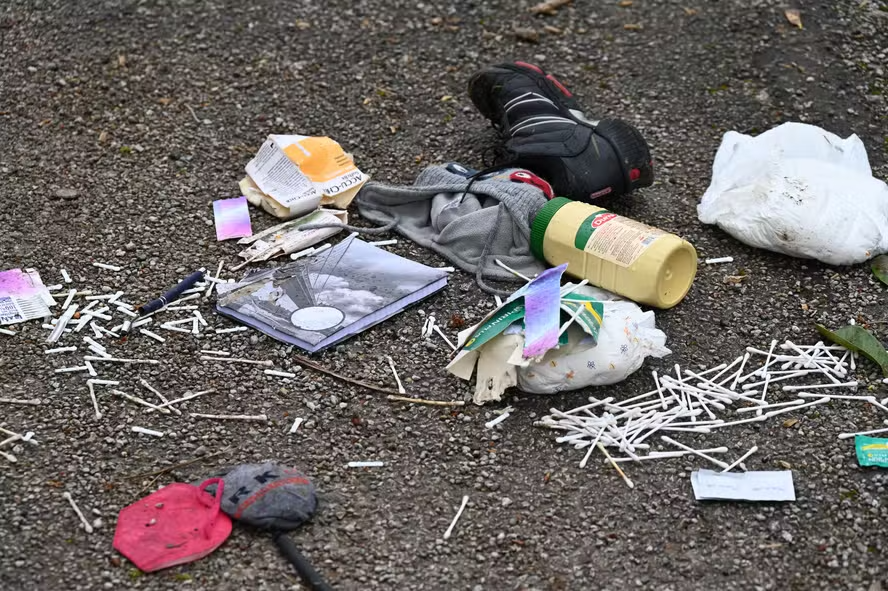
x=798, y=190
x=628, y=335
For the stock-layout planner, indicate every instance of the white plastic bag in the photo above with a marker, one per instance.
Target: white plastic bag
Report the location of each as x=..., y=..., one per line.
x=628, y=335
x=801, y=191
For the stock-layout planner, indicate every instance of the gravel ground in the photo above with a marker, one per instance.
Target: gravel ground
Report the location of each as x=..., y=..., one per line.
x=120, y=122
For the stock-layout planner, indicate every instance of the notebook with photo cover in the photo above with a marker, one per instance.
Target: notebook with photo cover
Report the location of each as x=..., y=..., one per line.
x=321, y=300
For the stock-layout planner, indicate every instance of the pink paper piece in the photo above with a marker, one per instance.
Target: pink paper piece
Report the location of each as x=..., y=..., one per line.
x=542, y=312
x=232, y=218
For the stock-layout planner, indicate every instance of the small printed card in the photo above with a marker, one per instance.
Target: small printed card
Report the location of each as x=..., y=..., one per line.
x=232, y=218
x=743, y=486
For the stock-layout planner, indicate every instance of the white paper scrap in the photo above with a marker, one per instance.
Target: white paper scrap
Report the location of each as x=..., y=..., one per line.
x=743, y=486
x=281, y=179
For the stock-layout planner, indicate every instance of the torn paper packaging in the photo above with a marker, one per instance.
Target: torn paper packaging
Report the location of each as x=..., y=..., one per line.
x=743, y=486
x=871, y=451
x=23, y=296
x=292, y=174
x=320, y=300
x=288, y=237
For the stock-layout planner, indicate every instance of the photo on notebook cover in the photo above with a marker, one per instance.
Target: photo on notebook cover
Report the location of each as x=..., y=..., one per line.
x=321, y=300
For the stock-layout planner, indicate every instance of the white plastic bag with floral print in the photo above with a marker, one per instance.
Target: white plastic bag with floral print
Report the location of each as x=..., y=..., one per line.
x=628, y=335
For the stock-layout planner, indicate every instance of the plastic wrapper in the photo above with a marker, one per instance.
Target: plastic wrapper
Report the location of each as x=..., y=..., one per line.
x=801, y=191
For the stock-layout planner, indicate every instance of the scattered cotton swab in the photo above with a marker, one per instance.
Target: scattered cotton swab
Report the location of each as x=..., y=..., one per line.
x=92, y=397
x=59, y=350
x=62, y=323
x=619, y=470
x=301, y=254
x=426, y=402
x=152, y=335
x=30, y=402
x=69, y=299
x=437, y=329
x=214, y=280
x=694, y=451
x=739, y=460
x=429, y=326
x=391, y=363
x=873, y=432
x=367, y=464
x=86, y=524
x=493, y=423
x=128, y=361
x=320, y=249
x=92, y=342
x=280, y=374
x=774, y=405
x=72, y=369
x=462, y=507
x=851, y=384
x=740, y=371
x=266, y=363
x=141, y=401
x=145, y=431
x=163, y=398
x=185, y=398
x=665, y=455
x=512, y=271
x=228, y=330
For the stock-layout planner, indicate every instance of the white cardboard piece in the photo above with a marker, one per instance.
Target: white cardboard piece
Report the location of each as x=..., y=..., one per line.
x=743, y=486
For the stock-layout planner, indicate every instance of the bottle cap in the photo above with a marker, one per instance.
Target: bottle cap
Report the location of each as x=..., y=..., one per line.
x=541, y=223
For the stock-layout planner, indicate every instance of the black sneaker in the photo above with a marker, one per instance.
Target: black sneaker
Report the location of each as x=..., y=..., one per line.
x=546, y=132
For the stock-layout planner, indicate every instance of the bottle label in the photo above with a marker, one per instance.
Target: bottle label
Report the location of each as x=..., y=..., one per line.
x=614, y=238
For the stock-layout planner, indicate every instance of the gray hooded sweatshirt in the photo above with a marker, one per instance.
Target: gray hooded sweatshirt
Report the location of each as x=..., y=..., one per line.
x=471, y=230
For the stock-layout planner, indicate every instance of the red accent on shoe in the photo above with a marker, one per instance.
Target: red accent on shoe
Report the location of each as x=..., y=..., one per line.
x=560, y=86
x=530, y=67
x=524, y=176
x=634, y=174
x=601, y=193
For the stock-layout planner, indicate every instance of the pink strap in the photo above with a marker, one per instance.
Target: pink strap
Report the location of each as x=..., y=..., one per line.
x=215, y=503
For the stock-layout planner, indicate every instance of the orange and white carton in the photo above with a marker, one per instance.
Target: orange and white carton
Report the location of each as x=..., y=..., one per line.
x=292, y=175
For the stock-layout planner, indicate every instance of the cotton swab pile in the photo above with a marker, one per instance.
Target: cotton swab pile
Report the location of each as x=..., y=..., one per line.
x=695, y=402
x=78, y=315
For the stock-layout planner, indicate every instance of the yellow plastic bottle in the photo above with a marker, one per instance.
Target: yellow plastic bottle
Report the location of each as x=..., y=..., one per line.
x=618, y=254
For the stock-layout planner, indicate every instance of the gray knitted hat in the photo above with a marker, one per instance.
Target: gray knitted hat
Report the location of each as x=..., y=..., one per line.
x=268, y=496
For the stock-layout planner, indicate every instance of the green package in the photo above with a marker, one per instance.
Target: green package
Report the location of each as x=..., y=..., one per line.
x=871, y=451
